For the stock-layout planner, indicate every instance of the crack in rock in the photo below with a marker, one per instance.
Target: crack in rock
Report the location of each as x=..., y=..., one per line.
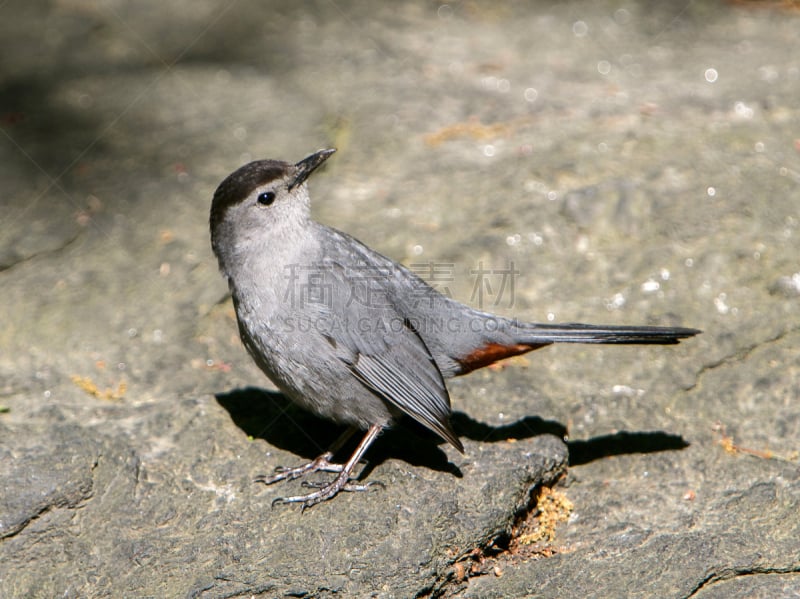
x=726, y=574
x=739, y=355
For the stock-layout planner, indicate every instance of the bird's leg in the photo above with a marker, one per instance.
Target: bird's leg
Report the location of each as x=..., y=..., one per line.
x=342, y=481
x=320, y=463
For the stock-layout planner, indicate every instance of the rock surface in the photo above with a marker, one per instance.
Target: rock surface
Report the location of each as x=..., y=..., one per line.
x=586, y=161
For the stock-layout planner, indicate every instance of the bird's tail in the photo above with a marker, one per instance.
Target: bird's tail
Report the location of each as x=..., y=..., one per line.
x=511, y=338
x=535, y=334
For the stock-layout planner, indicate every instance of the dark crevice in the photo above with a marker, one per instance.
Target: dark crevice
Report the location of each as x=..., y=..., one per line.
x=65, y=501
x=18, y=528
x=57, y=503
x=495, y=552
x=725, y=574
x=43, y=253
x=739, y=355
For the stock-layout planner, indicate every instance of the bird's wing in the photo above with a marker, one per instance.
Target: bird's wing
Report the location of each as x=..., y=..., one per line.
x=406, y=375
x=383, y=350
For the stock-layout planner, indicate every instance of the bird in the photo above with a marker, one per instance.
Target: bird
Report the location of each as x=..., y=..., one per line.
x=348, y=333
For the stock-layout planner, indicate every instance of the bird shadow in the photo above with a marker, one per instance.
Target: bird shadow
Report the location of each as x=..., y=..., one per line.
x=271, y=416
x=622, y=443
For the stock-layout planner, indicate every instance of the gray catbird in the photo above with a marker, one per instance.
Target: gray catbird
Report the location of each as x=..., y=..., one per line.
x=349, y=334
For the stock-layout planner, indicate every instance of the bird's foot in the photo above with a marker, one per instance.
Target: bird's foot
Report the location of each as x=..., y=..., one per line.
x=323, y=463
x=319, y=464
x=326, y=491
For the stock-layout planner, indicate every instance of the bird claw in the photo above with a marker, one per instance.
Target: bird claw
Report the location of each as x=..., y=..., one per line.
x=349, y=487
x=329, y=490
x=319, y=464
x=325, y=491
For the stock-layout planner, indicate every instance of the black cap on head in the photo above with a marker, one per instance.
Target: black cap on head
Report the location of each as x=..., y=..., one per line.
x=240, y=184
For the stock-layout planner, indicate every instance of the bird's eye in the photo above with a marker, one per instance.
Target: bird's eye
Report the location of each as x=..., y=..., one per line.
x=266, y=198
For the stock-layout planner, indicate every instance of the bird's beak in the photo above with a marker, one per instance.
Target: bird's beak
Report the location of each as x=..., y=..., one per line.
x=308, y=165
